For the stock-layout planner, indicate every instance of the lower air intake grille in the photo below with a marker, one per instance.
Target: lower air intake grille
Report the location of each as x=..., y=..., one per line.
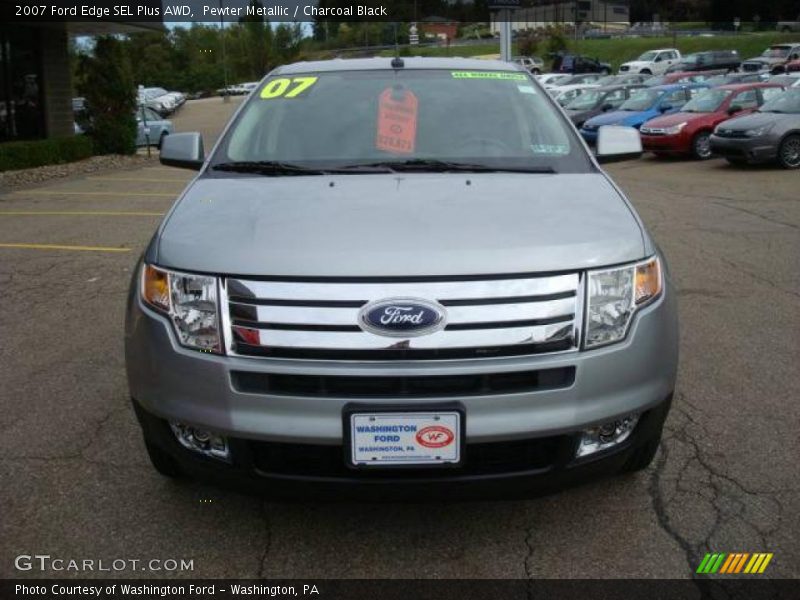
x=402, y=387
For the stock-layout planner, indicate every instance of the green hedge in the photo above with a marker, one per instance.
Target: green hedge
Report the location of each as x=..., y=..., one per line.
x=24, y=155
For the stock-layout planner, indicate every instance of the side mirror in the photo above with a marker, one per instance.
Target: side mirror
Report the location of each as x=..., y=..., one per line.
x=734, y=109
x=665, y=107
x=183, y=150
x=615, y=143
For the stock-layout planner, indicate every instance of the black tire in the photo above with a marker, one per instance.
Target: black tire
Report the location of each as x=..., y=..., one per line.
x=163, y=462
x=789, y=152
x=701, y=145
x=537, y=72
x=606, y=71
x=161, y=139
x=645, y=72
x=642, y=456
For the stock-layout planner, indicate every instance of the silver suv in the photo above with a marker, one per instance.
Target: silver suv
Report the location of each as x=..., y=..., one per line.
x=398, y=276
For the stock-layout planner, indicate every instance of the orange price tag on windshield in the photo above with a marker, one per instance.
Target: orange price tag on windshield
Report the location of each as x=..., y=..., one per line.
x=397, y=121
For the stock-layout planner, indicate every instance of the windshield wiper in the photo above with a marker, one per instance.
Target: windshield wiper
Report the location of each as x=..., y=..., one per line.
x=266, y=167
x=443, y=166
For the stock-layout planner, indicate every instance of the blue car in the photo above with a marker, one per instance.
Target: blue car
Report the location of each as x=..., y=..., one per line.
x=643, y=105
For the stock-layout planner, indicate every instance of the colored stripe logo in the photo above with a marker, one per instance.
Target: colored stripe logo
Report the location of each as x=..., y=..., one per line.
x=734, y=563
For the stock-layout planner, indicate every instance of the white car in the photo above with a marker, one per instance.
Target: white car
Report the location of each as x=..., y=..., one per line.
x=565, y=94
x=549, y=79
x=652, y=62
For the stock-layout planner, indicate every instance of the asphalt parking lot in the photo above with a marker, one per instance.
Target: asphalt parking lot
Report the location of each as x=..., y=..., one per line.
x=76, y=482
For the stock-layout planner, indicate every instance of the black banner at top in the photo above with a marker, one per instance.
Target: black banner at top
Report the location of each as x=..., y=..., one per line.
x=442, y=11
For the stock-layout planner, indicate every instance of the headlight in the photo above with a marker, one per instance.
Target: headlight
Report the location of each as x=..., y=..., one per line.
x=758, y=131
x=190, y=302
x=614, y=295
x=675, y=128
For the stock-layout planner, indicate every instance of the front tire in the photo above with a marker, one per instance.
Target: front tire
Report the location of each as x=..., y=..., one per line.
x=789, y=152
x=701, y=145
x=163, y=462
x=646, y=72
x=643, y=456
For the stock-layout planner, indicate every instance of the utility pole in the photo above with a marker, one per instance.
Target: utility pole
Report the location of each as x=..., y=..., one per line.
x=226, y=96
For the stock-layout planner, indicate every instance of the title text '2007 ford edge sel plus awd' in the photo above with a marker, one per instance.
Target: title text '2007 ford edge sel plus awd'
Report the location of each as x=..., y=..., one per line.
x=401, y=276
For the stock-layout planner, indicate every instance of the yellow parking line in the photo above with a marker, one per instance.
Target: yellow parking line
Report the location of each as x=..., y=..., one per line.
x=139, y=179
x=121, y=194
x=60, y=247
x=92, y=213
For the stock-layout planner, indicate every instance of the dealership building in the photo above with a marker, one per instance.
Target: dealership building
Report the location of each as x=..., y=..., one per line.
x=35, y=78
x=536, y=14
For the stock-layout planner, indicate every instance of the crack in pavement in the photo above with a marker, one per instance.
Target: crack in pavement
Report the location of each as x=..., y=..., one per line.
x=267, y=542
x=726, y=496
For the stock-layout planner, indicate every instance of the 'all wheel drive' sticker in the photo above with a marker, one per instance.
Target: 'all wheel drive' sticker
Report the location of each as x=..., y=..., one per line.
x=397, y=121
x=508, y=76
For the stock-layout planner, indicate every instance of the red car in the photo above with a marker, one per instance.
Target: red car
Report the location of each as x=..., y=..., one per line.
x=689, y=131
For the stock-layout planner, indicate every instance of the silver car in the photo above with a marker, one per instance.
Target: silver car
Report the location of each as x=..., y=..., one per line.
x=770, y=134
x=151, y=128
x=399, y=277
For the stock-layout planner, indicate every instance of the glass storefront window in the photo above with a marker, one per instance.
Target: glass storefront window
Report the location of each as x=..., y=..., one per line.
x=21, y=104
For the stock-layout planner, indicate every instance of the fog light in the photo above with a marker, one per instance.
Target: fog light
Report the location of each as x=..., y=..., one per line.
x=606, y=435
x=201, y=441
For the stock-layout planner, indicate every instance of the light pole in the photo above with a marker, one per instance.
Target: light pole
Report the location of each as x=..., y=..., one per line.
x=225, y=96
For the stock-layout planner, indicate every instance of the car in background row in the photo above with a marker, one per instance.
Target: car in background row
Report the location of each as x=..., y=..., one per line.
x=238, y=89
x=729, y=78
x=787, y=26
x=624, y=79
x=683, y=77
x=793, y=66
x=564, y=94
x=160, y=100
x=151, y=128
x=770, y=134
x=652, y=62
x=576, y=63
x=708, y=61
x=550, y=79
x=789, y=80
x=532, y=64
x=689, y=130
x=596, y=101
x=643, y=105
x=774, y=59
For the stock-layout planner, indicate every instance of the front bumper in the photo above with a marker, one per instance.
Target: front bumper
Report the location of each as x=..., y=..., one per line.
x=753, y=150
x=672, y=144
x=318, y=472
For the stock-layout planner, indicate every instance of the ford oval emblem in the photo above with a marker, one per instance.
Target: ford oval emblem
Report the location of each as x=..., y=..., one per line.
x=402, y=317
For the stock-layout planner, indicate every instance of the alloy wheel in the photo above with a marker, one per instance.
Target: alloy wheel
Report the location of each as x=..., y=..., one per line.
x=790, y=152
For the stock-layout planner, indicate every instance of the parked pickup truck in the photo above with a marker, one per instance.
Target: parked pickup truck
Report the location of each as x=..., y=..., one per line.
x=774, y=59
x=375, y=286
x=652, y=62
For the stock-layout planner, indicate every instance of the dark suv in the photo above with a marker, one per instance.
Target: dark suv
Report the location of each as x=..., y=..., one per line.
x=575, y=63
x=708, y=61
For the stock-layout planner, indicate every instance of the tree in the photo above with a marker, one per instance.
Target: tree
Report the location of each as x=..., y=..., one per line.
x=107, y=84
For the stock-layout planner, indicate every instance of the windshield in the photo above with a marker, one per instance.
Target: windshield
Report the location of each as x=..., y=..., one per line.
x=641, y=100
x=776, y=52
x=787, y=102
x=648, y=56
x=374, y=118
x=707, y=101
x=587, y=100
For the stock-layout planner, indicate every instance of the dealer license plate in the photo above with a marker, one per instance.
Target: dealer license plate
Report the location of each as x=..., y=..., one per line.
x=405, y=438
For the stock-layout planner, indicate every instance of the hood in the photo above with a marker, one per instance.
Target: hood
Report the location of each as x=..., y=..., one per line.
x=751, y=121
x=578, y=116
x=399, y=225
x=618, y=117
x=676, y=118
x=636, y=64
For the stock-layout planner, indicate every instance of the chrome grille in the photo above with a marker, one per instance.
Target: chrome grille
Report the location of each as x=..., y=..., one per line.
x=485, y=317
